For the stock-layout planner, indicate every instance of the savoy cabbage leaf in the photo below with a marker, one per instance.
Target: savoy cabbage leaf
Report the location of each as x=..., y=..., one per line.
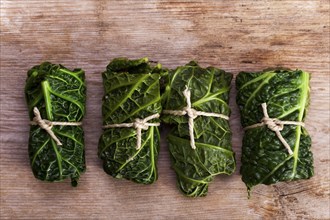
x=132, y=91
x=59, y=94
x=196, y=168
x=265, y=160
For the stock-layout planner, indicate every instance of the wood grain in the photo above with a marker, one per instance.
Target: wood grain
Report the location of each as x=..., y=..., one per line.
x=234, y=35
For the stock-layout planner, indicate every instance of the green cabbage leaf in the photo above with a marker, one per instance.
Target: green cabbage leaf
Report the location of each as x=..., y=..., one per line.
x=131, y=91
x=60, y=95
x=265, y=160
x=196, y=168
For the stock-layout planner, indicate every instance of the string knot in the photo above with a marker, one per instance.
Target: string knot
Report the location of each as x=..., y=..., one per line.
x=273, y=123
x=48, y=125
x=192, y=114
x=45, y=124
x=140, y=124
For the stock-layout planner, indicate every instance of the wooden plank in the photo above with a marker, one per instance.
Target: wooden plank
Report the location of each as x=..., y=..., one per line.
x=234, y=35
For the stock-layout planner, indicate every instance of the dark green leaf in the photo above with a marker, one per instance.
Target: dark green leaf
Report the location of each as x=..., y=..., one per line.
x=131, y=91
x=213, y=155
x=59, y=94
x=265, y=160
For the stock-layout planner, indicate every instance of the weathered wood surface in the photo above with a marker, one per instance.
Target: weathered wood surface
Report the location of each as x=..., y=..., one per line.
x=234, y=35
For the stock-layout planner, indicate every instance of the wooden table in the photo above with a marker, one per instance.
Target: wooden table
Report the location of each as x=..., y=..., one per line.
x=234, y=35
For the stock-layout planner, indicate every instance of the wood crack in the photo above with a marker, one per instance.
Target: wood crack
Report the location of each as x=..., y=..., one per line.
x=293, y=193
x=284, y=209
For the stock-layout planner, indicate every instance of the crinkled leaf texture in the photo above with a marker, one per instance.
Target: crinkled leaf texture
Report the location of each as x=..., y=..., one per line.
x=213, y=155
x=132, y=91
x=265, y=160
x=59, y=94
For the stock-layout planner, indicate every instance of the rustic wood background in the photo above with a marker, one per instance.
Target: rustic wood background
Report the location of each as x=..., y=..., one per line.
x=234, y=35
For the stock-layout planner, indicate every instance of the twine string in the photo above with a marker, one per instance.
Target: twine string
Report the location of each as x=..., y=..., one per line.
x=48, y=125
x=192, y=114
x=139, y=125
x=275, y=125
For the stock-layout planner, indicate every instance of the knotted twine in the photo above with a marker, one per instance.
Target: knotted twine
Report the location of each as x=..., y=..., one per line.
x=139, y=125
x=192, y=114
x=48, y=125
x=275, y=125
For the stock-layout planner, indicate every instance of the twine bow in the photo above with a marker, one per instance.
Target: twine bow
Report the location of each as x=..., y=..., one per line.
x=275, y=125
x=48, y=125
x=192, y=114
x=139, y=125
